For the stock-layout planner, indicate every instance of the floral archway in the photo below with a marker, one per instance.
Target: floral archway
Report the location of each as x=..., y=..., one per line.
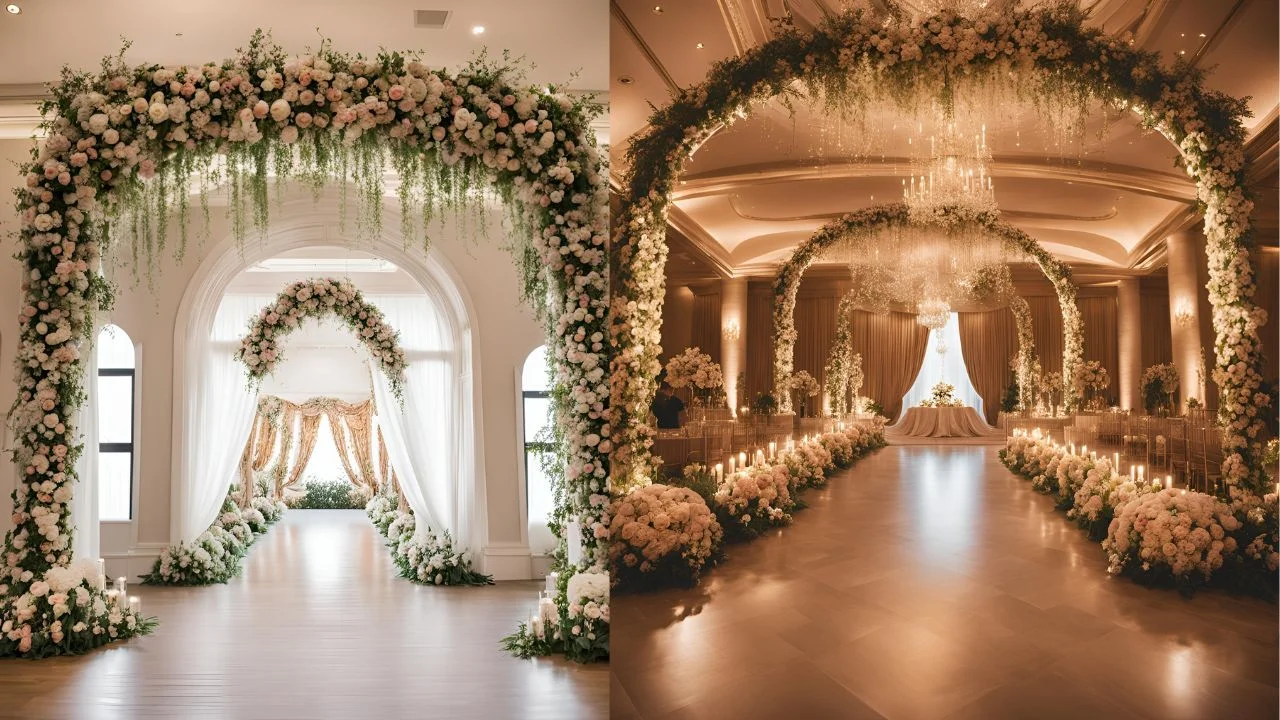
x=1045, y=54
x=870, y=221
x=126, y=146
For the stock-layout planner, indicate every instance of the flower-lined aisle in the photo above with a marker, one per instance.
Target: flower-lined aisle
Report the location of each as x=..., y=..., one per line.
x=432, y=561
x=665, y=535
x=215, y=556
x=1151, y=531
x=128, y=145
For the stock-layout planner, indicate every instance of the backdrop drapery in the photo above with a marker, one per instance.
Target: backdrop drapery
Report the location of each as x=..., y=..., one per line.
x=222, y=416
x=988, y=342
x=705, y=329
x=948, y=367
x=428, y=438
x=892, y=347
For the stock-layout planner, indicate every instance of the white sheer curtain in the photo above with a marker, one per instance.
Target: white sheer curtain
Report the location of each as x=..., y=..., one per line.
x=943, y=367
x=84, y=499
x=429, y=439
x=223, y=415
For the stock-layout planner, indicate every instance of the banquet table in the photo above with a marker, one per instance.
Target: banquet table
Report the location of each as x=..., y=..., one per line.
x=942, y=422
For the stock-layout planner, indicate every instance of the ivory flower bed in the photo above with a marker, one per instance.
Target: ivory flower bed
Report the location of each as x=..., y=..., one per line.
x=665, y=535
x=1153, y=534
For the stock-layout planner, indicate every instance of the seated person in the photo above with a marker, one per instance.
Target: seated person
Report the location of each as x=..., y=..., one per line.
x=667, y=408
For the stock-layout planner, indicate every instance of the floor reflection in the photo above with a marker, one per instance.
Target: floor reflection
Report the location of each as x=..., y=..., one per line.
x=318, y=626
x=928, y=582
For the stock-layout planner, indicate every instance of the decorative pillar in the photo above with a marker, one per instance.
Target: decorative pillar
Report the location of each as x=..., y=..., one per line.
x=1129, y=326
x=733, y=336
x=1184, y=311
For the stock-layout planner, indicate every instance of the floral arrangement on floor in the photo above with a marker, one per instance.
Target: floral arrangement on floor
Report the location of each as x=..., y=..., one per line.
x=336, y=494
x=1159, y=386
x=942, y=395
x=1152, y=533
x=215, y=556
x=696, y=370
x=662, y=536
x=67, y=611
x=427, y=560
x=260, y=349
x=125, y=148
x=581, y=629
x=1048, y=54
x=1090, y=379
x=709, y=506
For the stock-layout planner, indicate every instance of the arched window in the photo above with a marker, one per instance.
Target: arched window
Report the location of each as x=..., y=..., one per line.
x=115, y=400
x=536, y=403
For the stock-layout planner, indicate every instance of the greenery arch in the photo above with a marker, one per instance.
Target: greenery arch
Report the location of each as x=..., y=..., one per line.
x=319, y=116
x=880, y=217
x=1046, y=54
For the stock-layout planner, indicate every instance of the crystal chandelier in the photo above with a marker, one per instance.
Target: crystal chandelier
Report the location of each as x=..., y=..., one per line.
x=933, y=313
x=953, y=173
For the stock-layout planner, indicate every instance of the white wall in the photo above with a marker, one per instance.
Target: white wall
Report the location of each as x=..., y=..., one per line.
x=503, y=333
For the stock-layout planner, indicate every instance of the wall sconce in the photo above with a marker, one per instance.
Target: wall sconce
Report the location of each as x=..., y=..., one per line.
x=1183, y=315
x=732, y=331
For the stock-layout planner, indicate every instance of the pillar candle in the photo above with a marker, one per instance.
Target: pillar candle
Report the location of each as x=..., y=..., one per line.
x=552, y=577
x=742, y=459
x=731, y=461
x=122, y=585
x=773, y=449
x=102, y=566
x=719, y=472
x=135, y=605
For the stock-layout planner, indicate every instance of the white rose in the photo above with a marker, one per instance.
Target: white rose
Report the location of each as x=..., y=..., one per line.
x=158, y=112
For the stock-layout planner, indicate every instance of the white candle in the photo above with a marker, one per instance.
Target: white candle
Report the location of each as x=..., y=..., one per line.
x=1168, y=481
x=535, y=626
x=122, y=585
x=1141, y=470
x=552, y=577
x=773, y=449
x=760, y=457
x=742, y=459
x=719, y=472
x=135, y=605
x=731, y=461
x=1117, y=461
x=102, y=566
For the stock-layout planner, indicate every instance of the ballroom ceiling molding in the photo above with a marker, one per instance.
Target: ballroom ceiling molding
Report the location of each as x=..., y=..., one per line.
x=1013, y=214
x=1166, y=186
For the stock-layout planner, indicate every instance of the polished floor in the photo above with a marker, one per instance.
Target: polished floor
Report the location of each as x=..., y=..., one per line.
x=928, y=582
x=318, y=626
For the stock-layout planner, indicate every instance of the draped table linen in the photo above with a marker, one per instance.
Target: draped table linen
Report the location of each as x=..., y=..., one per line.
x=942, y=422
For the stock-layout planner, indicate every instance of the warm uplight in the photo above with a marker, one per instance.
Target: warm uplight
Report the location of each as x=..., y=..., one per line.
x=732, y=331
x=1183, y=314
x=13, y=9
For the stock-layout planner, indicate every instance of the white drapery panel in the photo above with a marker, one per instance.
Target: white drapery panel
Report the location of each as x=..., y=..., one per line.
x=429, y=438
x=85, y=545
x=947, y=367
x=222, y=415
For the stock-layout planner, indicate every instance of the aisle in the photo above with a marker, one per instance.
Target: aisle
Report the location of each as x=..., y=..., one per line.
x=319, y=626
x=931, y=583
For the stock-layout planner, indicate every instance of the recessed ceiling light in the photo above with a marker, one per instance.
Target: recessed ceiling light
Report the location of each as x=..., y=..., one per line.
x=477, y=30
x=625, y=80
x=700, y=46
x=1202, y=35
x=13, y=9
x=657, y=9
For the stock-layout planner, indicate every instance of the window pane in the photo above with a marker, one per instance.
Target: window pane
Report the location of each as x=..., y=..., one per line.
x=534, y=374
x=115, y=349
x=115, y=409
x=540, y=504
x=114, y=485
x=537, y=415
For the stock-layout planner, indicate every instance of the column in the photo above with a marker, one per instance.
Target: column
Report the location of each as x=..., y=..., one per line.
x=733, y=336
x=1129, y=326
x=1184, y=311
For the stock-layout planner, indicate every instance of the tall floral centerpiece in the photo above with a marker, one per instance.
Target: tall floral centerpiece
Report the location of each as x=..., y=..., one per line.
x=942, y=395
x=1160, y=388
x=803, y=387
x=695, y=370
x=1051, y=389
x=1091, y=379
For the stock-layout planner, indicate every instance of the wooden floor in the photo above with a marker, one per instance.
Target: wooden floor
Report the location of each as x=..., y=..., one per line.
x=928, y=582
x=319, y=626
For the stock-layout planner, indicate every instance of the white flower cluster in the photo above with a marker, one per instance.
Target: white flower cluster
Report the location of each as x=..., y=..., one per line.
x=66, y=611
x=260, y=348
x=942, y=395
x=694, y=368
x=658, y=525
x=215, y=556
x=1165, y=375
x=428, y=558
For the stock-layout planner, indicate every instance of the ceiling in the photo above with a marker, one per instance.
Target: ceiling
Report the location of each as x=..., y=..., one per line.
x=758, y=188
x=566, y=41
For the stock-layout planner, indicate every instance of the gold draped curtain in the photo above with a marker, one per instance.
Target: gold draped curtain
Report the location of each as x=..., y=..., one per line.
x=988, y=342
x=286, y=432
x=892, y=347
